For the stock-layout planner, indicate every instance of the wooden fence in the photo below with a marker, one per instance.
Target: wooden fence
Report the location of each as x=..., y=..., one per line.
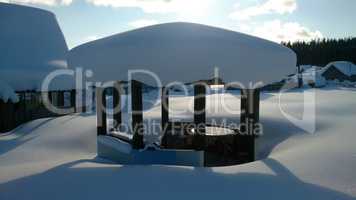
x=31, y=107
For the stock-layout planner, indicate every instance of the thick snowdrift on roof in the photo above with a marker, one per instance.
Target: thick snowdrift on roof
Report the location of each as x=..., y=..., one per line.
x=347, y=68
x=30, y=38
x=31, y=44
x=185, y=52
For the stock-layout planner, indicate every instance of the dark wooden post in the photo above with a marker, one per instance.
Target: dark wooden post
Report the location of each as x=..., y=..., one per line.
x=245, y=144
x=117, y=105
x=55, y=99
x=300, y=76
x=101, y=111
x=244, y=110
x=254, y=110
x=50, y=97
x=199, y=115
x=84, y=101
x=93, y=96
x=60, y=99
x=26, y=106
x=73, y=101
x=165, y=110
x=2, y=116
x=137, y=115
x=8, y=116
x=22, y=109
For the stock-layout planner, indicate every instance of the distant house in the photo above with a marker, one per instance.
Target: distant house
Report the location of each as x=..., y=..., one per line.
x=311, y=76
x=340, y=70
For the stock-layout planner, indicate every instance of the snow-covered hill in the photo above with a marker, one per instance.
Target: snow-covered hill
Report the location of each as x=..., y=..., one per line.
x=55, y=158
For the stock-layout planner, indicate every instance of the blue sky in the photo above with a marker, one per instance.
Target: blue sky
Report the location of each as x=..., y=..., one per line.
x=277, y=20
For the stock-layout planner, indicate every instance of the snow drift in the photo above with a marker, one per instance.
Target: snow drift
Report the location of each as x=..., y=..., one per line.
x=185, y=52
x=55, y=159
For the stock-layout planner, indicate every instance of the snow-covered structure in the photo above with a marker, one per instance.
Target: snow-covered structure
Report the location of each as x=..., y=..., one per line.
x=340, y=70
x=31, y=46
x=185, y=52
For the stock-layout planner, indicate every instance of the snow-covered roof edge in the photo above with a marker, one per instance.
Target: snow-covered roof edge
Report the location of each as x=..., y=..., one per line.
x=346, y=67
x=171, y=50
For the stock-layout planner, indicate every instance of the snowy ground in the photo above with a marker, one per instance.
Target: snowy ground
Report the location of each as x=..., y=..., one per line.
x=56, y=159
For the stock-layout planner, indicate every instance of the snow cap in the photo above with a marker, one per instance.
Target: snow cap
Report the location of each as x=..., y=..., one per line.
x=31, y=46
x=185, y=52
x=30, y=38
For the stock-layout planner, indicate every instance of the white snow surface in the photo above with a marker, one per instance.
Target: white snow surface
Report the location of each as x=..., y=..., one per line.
x=185, y=52
x=31, y=46
x=55, y=158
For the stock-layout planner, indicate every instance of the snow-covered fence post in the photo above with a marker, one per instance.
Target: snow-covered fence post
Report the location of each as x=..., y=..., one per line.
x=199, y=115
x=137, y=115
x=101, y=111
x=117, y=105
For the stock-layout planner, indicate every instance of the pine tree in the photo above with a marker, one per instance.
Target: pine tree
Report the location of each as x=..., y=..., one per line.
x=320, y=52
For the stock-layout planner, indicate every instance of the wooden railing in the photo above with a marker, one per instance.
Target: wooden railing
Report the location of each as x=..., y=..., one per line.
x=31, y=107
